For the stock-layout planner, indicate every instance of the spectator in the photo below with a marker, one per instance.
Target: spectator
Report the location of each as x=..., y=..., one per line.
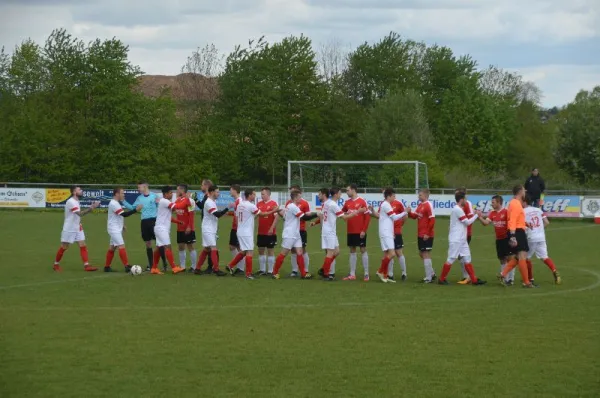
x=535, y=187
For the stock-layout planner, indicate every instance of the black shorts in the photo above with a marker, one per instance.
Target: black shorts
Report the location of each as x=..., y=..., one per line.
x=182, y=237
x=148, y=229
x=522, y=245
x=233, y=239
x=304, y=238
x=398, y=242
x=469, y=240
x=425, y=245
x=502, y=248
x=354, y=240
x=268, y=241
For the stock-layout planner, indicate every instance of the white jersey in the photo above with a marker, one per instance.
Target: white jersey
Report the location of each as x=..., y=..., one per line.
x=331, y=211
x=534, y=218
x=245, y=212
x=115, y=219
x=386, y=220
x=72, y=220
x=210, y=223
x=291, y=223
x=459, y=223
x=164, y=214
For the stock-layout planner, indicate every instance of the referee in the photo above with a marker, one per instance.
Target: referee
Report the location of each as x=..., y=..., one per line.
x=200, y=204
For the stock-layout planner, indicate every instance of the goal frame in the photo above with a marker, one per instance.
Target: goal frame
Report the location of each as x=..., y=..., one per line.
x=415, y=163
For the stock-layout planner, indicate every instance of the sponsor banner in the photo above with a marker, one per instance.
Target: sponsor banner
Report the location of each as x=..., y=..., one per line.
x=442, y=204
x=554, y=205
x=57, y=197
x=22, y=197
x=590, y=206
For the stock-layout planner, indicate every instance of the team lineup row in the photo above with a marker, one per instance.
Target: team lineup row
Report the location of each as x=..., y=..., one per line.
x=519, y=232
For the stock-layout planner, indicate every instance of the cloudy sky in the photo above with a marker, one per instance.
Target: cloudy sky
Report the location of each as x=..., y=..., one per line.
x=554, y=43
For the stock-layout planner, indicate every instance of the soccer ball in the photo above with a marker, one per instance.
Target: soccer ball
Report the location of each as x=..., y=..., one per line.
x=136, y=270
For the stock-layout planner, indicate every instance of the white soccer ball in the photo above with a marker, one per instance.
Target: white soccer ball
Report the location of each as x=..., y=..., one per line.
x=136, y=270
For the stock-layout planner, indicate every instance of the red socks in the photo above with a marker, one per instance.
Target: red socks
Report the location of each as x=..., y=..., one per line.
x=59, y=255
x=202, y=259
x=84, y=255
x=123, y=256
x=109, y=257
x=279, y=263
x=156, y=258
x=248, y=265
x=385, y=266
x=471, y=272
x=301, y=265
x=529, y=269
x=550, y=264
x=445, y=271
x=170, y=259
x=238, y=257
x=214, y=256
x=326, y=264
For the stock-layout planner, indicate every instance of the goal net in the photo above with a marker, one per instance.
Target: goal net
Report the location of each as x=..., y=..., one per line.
x=369, y=176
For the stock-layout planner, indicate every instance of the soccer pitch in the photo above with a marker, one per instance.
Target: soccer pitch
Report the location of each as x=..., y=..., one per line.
x=80, y=334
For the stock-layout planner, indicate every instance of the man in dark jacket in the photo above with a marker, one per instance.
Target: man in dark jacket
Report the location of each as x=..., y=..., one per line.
x=535, y=187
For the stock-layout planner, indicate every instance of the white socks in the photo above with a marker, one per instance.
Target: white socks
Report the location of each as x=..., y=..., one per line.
x=193, y=258
x=295, y=262
x=353, y=264
x=391, y=267
x=262, y=261
x=402, y=261
x=306, y=261
x=511, y=275
x=429, y=272
x=182, y=258
x=271, y=263
x=365, y=262
x=332, y=269
x=465, y=274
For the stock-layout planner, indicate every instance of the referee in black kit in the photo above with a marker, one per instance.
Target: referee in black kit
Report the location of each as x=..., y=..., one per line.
x=200, y=204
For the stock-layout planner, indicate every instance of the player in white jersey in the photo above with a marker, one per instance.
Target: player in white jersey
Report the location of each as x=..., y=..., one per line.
x=457, y=240
x=210, y=227
x=330, y=212
x=115, y=227
x=291, y=238
x=162, y=229
x=387, y=217
x=536, y=222
x=245, y=212
x=73, y=230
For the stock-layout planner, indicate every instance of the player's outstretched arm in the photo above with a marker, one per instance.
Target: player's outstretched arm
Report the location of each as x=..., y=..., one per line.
x=89, y=209
x=309, y=216
x=220, y=213
x=396, y=217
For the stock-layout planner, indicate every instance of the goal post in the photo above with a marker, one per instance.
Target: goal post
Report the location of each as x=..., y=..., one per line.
x=369, y=175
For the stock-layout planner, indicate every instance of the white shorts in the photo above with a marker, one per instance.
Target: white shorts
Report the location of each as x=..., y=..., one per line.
x=539, y=249
x=71, y=237
x=246, y=243
x=209, y=239
x=116, y=238
x=458, y=249
x=387, y=243
x=329, y=242
x=163, y=237
x=291, y=243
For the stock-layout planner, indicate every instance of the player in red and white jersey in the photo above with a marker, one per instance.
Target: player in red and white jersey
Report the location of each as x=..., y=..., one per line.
x=357, y=228
x=536, y=222
x=499, y=218
x=162, y=229
x=267, y=231
x=425, y=217
x=305, y=207
x=210, y=227
x=186, y=234
x=73, y=230
x=387, y=216
x=115, y=227
x=398, y=208
x=234, y=244
x=457, y=241
x=291, y=238
x=245, y=212
x=468, y=209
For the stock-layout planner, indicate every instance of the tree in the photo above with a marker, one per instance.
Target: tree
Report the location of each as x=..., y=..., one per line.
x=509, y=86
x=332, y=60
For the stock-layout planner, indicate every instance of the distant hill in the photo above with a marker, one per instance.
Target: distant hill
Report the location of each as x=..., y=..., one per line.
x=183, y=87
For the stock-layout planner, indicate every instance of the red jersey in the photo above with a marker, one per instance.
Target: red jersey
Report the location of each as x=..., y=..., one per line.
x=500, y=220
x=425, y=219
x=265, y=222
x=235, y=205
x=186, y=215
x=468, y=209
x=398, y=208
x=360, y=223
x=305, y=207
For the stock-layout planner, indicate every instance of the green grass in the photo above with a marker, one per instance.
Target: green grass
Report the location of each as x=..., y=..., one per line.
x=77, y=334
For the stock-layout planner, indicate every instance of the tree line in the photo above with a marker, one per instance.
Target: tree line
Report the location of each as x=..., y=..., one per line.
x=73, y=112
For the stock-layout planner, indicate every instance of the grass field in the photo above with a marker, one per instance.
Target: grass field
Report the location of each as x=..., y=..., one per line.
x=77, y=334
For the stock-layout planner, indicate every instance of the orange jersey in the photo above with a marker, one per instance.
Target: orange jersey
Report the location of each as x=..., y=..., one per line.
x=468, y=209
x=516, y=215
x=425, y=219
x=398, y=208
x=184, y=214
x=235, y=205
x=266, y=221
x=305, y=208
x=498, y=218
x=360, y=223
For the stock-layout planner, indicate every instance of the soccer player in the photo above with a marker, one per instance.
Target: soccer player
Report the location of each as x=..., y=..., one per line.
x=267, y=234
x=73, y=230
x=536, y=222
x=498, y=216
x=425, y=217
x=305, y=207
x=162, y=229
x=457, y=241
x=200, y=203
x=149, y=206
x=186, y=234
x=357, y=232
x=291, y=238
x=517, y=238
x=329, y=214
x=210, y=226
x=398, y=208
x=245, y=212
x=115, y=228
x=234, y=244
x=468, y=208
x=387, y=217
